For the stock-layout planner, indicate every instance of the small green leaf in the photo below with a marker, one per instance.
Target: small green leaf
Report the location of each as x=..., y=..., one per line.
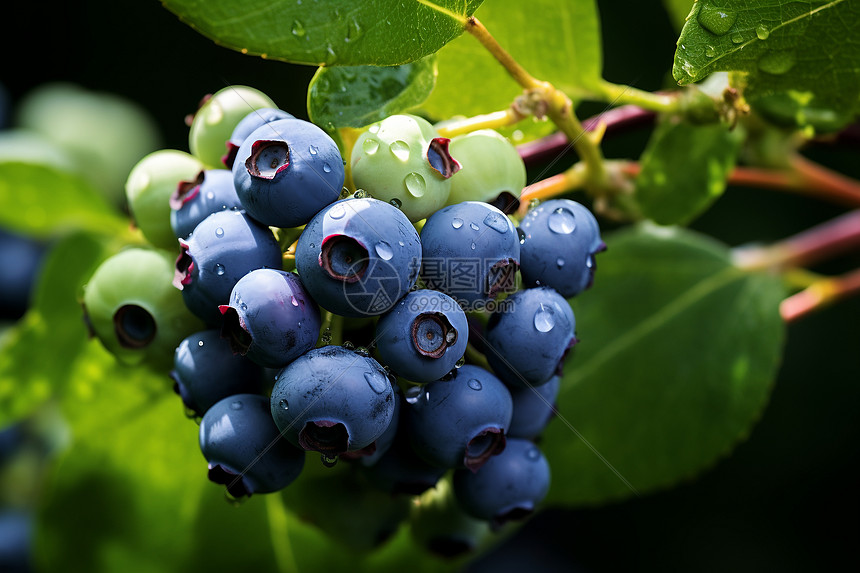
x=356, y=96
x=333, y=32
x=684, y=169
x=40, y=200
x=561, y=45
x=678, y=354
x=801, y=58
x=35, y=356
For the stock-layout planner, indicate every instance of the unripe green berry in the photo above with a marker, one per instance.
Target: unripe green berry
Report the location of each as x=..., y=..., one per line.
x=490, y=164
x=214, y=122
x=402, y=160
x=131, y=306
x=149, y=187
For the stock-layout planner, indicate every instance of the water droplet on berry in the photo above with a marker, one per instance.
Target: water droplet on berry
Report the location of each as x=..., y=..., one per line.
x=561, y=221
x=294, y=301
x=284, y=404
x=370, y=145
x=475, y=384
x=326, y=167
x=401, y=243
x=497, y=222
x=589, y=262
x=396, y=202
x=200, y=343
x=362, y=350
x=219, y=232
x=210, y=195
x=521, y=235
x=415, y=184
x=298, y=29
x=473, y=246
x=413, y=394
x=544, y=319
x=313, y=246
x=348, y=345
x=243, y=306
x=533, y=454
x=328, y=461
x=559, y=262
x=373, y=128
x=474, y=226
x=460, y=362
x=219, y=269
x=400, y=149
x=337, y=211
x=384, y=250
x=313, y=149
x=762, y=32
x=361, y=194
x=457, y=222
x=236, y=405
x=377, y=383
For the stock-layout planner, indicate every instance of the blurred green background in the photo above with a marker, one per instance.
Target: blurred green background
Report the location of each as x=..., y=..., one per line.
x=783, y=498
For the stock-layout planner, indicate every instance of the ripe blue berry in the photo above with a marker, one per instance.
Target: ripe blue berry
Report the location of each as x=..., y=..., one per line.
x=333, y=400
x=461, y=421
x=270, y=318
x=248, y=124
x=533, y=408
x=211, y=191
x=423, y=336
x=403, y=158
x=286, y=171
x=471, y=252
x=244, y=449
x=560, y=239
x=358, y=257
x=528, y=342
x=205, y=370
x=508, y=487
x=223, y=248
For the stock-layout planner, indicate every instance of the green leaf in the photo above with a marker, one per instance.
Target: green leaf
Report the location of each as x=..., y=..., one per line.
x=678, y=354
x=801, y=58
x=684, y=169
x=35, y=356
x=40, y=200
x=557, y=42
x=333, y=32
x=356, y=96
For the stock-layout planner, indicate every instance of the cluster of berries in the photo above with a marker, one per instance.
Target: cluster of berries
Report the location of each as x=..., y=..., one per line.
x=423, y=260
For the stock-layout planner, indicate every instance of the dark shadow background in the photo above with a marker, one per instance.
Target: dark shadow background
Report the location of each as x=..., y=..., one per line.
x=785, y=500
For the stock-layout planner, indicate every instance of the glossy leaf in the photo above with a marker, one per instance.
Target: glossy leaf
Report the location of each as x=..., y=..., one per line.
x=678, y=353
x=801, y=58
x=684, y=169
x=329, y=32
x=40, y=200
x=565, y=50
x=356, y=96
x=30, y=372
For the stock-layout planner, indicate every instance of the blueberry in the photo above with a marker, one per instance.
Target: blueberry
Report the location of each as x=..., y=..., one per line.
x=461, y=421
x=132, y=309
x=333, y=400
x=491, y=166
x=471, y=252
x=560, y=239
x=270, y=318
x=403, y=159
x=244, y=449
x=209, y=192
x=358, y=257
x=248, y=124
x=205, y=370
x=533, y=408
x=223, y=248
x=531, y=337
x=149, y=187
x=508, y=487
x=218, y=116
x=423, y=336
x=286, y=171
x=20, y=258
x=16, y=541
x=386, y=440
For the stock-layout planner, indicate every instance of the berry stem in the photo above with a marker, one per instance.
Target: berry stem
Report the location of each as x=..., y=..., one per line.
x=654, y=102
x=820, y=294
x=564, y=182
x=494, y=120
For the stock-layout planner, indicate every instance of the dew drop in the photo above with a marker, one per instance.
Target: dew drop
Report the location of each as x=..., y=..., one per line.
x=415, y=184
x=521, y=235
x=777, y=61
x=717, y=21
x=589, y=262
x=401, y=243
x=370, y=145
x=400, y=149
x=313, y=149
x=361, y=194
x=559, y=262
x=219, y=232
x=326, y=167
x=457, y=222
x=475, y=384
x=373, y=128
x=396, y=202
x=737, y=38
x=532, y=454
x=762, y=32
x=328, y=461
x=236, y=405
x=284, y=404
x=384, y=250
x=200, y=343
x=294, y=301
x=474, y=226
x=348, y=345
x=497, y=222
x=710, y=51
x=243, y=306
x=377, y=383
x=544, y=319
x=337, y=211
x=561, y=221
x=413, y=394
x=473, y=246
x=210, y=195
x=219, y=269
x=460, y=362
